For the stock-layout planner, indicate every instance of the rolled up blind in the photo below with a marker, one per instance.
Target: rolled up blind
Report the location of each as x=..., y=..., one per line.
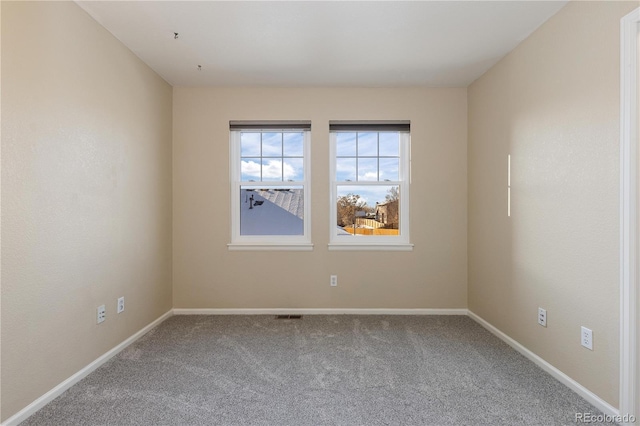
x=370, y=125
x=270, y=125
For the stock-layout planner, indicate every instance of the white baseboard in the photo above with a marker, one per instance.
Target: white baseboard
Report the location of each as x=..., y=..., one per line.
x=318, y=311
x=592, y=398
x=30, y=409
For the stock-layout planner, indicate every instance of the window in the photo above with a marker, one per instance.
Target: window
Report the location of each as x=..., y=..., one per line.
x=370, y=185
x=269, y=185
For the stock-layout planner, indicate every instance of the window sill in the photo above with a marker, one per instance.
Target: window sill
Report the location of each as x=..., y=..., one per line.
x=273, y=247
x=371, y=247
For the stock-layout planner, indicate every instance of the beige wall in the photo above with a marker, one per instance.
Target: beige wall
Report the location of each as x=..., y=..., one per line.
x=86, y=195
x=553, y=104
x=0, y=219
x=637, y=408
x=207, y=275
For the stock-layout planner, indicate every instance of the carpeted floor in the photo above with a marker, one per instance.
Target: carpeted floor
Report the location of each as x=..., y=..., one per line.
x=319, y=370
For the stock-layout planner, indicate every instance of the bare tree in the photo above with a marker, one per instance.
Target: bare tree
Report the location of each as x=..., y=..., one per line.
x=393, y=194
x=347, y=206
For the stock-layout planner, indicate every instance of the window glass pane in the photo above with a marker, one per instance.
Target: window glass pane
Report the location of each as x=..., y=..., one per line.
x=345, y=144
x=293, y=146
x=249, y=144
x=389, y=143
x=368, y=169
x=271, y=169
x=293, y=169
x=367, y=210
x=368, y=144
x=345, y=169
x=271, y=210
x=250, y=169
x=272, y=144
x=389, y=169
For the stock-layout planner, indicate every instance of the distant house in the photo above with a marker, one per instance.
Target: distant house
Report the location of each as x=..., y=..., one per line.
x=387, y=214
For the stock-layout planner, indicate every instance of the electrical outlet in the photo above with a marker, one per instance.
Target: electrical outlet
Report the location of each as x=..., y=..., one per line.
x=102, y=313
x=120, y=304
x=542, y=317
x=334, y=281
x=586, y=338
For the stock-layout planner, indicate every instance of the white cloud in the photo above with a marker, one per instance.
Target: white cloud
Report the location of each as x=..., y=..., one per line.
x=369, y=176
x=272, y=170
x=344, y=166
x=289, y=171
x=250, y=168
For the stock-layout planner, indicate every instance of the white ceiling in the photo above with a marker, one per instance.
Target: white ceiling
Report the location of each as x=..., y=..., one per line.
x=325, y=43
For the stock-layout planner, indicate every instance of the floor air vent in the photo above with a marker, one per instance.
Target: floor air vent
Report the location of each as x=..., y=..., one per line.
x=288, y=316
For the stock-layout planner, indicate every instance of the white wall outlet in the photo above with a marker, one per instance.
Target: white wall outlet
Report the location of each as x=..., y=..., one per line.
x=586, y=338
x=102, y=313
x=542, y=317
x=120, y=304
x=334, y=281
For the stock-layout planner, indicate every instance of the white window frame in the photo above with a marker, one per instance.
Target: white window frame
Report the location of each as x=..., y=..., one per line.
x=268, y=242
x=400, y=242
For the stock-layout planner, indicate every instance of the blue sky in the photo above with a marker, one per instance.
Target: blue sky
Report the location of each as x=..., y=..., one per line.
x=367, y=156
x=271, y=156
x=370, y=194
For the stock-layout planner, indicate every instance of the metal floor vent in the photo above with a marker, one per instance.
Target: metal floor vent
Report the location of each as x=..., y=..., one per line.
x=288, y=316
